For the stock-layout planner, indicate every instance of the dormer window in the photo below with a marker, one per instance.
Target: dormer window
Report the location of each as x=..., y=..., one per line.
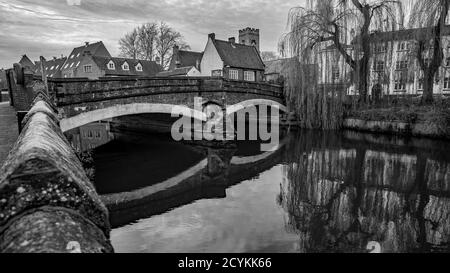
x=125, y=66
x=111, y=65
x=139, y=67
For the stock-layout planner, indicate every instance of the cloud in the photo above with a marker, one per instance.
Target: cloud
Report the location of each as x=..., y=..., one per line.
x=54, y=27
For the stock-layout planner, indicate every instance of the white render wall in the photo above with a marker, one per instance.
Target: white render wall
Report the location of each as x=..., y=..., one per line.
x=211, y=60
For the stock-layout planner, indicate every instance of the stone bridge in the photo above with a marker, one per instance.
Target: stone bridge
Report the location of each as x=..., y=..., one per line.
x=47, y=203
x=81, y=101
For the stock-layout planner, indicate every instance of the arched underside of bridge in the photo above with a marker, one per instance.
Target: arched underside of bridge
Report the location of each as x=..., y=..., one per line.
x=125, y=110
x=119, y=110
x=255, y=102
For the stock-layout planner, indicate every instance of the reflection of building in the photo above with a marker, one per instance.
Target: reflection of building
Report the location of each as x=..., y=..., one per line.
x=358, y=195
x=90, y=136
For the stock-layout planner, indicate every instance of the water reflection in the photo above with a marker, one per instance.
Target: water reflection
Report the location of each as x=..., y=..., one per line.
x=344, y=191
x=318, y=192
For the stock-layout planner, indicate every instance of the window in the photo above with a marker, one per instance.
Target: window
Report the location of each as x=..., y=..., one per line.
x=53, y=67
x=139, y=67
x=67, y=65
x=125, y=66
x=77, y=64
x=420, y=81
x=72, y=56
x=57, y=67
x=335, y=73
x=98, y=135
x=401, y=65
x=88, y=69
x=447, y=82
x=380, y=48
x=249, y=76
x=402, y=46
x=400, y=82
x=378, y=66
x=71, y=65
x=111, y=65
x=234, y=74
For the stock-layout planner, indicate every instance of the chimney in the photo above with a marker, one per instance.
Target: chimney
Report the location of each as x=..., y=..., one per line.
x=62, y=56
x=175, y=55
x=54, y=58
x=197, y=64
x=232, y=40
x=212, y=36
x=87, y=43
x=158, y=60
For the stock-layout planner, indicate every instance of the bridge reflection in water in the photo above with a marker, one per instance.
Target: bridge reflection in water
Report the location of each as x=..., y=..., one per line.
x=318, y=192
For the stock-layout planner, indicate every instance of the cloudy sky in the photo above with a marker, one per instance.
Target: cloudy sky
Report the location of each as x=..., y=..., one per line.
x=54, y=27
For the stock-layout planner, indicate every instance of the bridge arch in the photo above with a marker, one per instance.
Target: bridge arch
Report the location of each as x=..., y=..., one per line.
x=255, y=102
x=125, y=110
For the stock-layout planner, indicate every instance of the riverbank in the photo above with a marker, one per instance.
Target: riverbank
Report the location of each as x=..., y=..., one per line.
x=406, y=120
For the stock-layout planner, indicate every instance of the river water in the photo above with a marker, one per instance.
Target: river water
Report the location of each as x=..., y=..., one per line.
x=316, y=192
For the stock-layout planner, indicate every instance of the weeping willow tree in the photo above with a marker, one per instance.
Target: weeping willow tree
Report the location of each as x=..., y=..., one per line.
x=430, y=19
x=332, y=45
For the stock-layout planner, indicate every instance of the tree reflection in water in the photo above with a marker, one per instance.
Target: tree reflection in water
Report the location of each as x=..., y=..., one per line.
x=343, y=192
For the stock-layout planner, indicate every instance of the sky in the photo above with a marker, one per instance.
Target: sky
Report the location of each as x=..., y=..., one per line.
x=54, y=27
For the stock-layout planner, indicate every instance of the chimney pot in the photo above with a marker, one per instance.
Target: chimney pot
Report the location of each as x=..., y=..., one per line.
x=232, y=40
x=212, y=36
x=87, y=43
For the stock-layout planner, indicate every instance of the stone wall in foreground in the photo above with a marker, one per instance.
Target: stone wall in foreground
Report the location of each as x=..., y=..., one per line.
x=47, y=203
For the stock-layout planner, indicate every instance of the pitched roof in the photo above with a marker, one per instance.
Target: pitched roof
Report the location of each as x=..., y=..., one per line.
x=181, y=71
x=52, y=67
x=76, y=56
x=149, y=68
x=26, y=62
x=239, y=55
x=185, y=59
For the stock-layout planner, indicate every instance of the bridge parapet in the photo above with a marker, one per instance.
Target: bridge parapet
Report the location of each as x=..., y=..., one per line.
x=77, y=91
x=47, y=203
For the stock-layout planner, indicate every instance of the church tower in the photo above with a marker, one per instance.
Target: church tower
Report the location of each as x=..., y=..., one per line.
x=249, y=36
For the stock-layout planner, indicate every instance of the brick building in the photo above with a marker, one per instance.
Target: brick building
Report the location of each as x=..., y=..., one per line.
x=233, y=60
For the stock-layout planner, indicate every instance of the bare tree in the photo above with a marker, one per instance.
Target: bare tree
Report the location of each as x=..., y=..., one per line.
x=333, y=21
x=147, y=38
x=166, y=39
x=152, y=41
x=129, y=45
x=430, y=16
